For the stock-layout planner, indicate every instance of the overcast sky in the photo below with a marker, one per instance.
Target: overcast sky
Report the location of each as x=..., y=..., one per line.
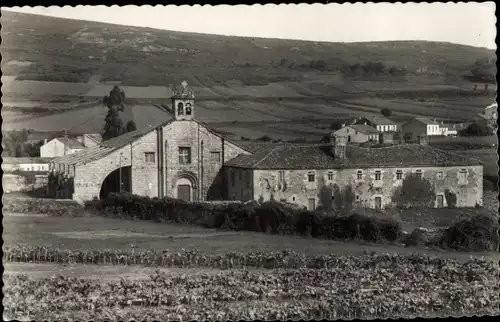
x=463, y=23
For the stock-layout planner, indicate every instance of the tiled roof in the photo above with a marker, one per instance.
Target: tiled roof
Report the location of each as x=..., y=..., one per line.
x=427, y=121
x=321, y=157
x=256, y=146
x=95, y=136
x=108, y=146
x=380, y=120
x=10, y=160
x=84, y=156
x=366, y=129
x=70, y=143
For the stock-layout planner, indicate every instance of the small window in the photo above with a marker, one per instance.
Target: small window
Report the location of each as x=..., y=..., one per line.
x=311, y=177
x=359, y=175
x=234, y=197
x=330, y=175
x=184, y=155
x=293, y=198
x=357, y=197
x=440, y=175
x=418, y=174
x=462, y=174
x=149, y=157
x=399, y=174
x=215, y=156
x=188, y=108
x=378, y=175
x=180, y=109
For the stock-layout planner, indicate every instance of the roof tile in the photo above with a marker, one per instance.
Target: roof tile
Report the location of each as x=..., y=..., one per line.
x=321, y=157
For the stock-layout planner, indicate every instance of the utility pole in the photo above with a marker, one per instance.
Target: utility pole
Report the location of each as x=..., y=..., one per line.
x=120, y=170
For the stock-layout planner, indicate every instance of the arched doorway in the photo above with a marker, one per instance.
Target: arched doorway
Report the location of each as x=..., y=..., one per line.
x=112, y=182
x=186, y=186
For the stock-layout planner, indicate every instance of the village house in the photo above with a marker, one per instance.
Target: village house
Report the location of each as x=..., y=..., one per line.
x=488, y=117
x=358, y=133
x=381, y=123
x=62, y=146
x=31, y=164
x=419, y=127
x=183, y=158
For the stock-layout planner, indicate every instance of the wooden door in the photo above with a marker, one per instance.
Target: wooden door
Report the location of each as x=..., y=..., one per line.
x=440, y=201
x=378, y=202
x=312, y=204
x=184, y=192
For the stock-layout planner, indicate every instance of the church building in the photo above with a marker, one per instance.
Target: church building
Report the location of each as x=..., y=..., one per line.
x=183, y=158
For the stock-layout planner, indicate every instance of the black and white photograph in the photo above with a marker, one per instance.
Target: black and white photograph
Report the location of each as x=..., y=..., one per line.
x=249, y=162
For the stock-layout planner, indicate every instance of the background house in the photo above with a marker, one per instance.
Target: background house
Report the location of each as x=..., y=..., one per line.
x=35, y=164
x=381, y=123
x=419, y=127
x=60, y=146
x=358, y=133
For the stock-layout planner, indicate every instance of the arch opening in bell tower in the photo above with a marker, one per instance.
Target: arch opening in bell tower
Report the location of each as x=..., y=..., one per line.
x=183, y=102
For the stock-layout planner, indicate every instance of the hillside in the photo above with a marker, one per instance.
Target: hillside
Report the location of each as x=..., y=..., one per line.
x=234, y=78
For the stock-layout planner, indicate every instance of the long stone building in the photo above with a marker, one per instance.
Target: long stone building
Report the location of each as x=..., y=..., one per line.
x=183, y=158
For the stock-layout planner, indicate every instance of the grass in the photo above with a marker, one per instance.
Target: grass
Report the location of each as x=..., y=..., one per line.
x=103, y=233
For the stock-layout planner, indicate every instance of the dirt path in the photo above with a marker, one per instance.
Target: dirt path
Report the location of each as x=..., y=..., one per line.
x=101, y=272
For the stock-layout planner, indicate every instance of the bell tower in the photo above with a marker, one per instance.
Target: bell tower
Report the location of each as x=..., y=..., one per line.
x=183, y=103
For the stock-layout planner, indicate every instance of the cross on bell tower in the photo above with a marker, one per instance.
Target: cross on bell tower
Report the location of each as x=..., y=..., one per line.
x=183, y=103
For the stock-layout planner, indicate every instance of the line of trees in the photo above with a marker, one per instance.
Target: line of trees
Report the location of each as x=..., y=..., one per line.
x=15, y=144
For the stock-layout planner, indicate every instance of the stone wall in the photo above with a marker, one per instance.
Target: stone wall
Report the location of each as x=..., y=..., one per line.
x=297, y=189
x=88, y=178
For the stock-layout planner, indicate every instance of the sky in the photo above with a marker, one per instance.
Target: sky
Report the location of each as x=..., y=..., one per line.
x=462, y=23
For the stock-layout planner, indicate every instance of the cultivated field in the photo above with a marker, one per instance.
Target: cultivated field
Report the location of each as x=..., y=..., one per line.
x=234, y=78
x=148, y=271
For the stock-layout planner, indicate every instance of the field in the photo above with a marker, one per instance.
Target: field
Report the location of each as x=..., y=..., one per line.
x=235, y=79
x=95, y=233
x=488, y=156
x=200, y=273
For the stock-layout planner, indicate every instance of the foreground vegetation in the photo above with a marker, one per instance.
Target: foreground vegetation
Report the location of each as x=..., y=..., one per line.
x=385, y=286
x=473, y=230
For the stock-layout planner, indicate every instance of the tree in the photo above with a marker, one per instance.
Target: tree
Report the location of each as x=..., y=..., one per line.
x=14, y=143
x=407, y=137
x=116, y=98
x=130, y=126
x=113, y=126
x=414, y=192
x=476, y=129
x=386, y=112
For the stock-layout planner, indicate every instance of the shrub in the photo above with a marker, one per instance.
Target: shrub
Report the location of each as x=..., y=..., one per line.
x=386, y=112
x=268, y=217
x=479, y=233
x=414, y=192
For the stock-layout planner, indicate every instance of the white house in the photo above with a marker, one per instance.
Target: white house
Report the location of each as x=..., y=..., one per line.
x=35, y=164
x=62, y=146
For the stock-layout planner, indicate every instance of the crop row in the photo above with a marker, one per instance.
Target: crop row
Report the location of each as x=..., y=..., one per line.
x=395, y=291
x=191, y=258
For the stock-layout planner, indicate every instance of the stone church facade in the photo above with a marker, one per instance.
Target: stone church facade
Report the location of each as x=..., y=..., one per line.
x=179, y=158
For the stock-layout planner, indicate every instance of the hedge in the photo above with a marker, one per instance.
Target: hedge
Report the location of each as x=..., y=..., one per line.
x=269, y=217
x=53, y=207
